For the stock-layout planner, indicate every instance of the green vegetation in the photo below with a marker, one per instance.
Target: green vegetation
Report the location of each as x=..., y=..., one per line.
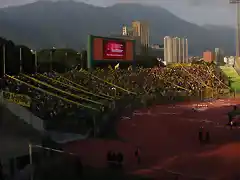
x=234, y=78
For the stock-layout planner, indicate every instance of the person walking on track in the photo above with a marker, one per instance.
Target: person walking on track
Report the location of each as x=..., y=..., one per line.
x=200, y=135
x=207, y=138
x=138, y=155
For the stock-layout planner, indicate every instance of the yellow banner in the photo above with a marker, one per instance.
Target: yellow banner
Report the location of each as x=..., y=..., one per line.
x=180, y=64
x=20, y=99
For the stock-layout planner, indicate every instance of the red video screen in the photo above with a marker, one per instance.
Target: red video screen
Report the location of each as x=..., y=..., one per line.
x=113, y=49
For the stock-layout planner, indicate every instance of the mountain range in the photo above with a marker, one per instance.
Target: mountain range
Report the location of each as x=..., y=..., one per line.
x=66, y=24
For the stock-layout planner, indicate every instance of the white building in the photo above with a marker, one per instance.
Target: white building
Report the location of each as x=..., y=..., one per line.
x=175, y=44
x=229, y=60
x=186, y=51
x=124, y=31
x=175, y=50
x=168, y=49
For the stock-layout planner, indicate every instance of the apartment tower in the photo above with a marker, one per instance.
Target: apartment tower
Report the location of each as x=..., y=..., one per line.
x=141, y=29
x=186, y=50
x=168, y=49
x=219, y=56
x=175, y=50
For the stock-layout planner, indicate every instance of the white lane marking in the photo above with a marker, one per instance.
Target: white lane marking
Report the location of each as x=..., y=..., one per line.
x=125, y=118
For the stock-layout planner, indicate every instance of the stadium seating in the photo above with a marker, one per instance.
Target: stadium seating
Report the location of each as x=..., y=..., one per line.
x=68, y=102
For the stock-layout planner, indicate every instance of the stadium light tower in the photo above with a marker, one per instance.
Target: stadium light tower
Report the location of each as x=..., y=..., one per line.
x=237, y=3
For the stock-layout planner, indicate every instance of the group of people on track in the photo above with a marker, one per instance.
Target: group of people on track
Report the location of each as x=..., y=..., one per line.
x=117, y=159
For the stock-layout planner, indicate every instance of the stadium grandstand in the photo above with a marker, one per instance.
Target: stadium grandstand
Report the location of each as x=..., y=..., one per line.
x=91, y=96
x=89, y=102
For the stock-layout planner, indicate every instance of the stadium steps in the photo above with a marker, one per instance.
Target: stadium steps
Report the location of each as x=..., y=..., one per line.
x=15, y=135
x=62, y=138
x=25, y=115
x=38, y=124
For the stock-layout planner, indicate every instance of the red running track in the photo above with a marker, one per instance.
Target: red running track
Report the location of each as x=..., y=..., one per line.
x=168, y=138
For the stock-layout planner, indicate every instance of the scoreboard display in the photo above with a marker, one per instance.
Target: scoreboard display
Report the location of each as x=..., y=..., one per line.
x=104, y=49
x=113, y=50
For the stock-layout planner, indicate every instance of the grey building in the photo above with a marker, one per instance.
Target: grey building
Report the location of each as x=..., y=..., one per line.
x=141, y=29
x=219, y=56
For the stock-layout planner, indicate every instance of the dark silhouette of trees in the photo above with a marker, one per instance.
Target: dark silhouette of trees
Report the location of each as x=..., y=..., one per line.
x=13, y=56
x=20, y=57
x=8, y=52
x=62, y=60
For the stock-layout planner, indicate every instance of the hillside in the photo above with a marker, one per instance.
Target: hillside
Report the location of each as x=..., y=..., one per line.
x=66, y=24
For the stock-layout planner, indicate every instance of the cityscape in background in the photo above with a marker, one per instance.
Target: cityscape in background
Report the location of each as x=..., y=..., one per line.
x=171, y=49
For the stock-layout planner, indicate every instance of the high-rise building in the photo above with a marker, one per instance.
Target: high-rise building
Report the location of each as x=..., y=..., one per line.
x=175, y=48
x=183, y=50
x=186, y=50
x=141, y=29
x=168, y=49
x=180, y=51
x=219, y=56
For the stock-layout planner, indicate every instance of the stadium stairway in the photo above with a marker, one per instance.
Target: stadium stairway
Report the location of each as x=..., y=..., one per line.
x=15, y=135
x=25, y=115
x=38, y=124
x=62, y=138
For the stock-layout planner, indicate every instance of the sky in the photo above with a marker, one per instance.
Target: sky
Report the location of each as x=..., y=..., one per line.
x=216, y=12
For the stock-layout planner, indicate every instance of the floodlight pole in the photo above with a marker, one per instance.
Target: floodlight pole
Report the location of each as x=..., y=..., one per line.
x=237, y=2
x=35, y=60
x=20, y=59
x=4, y=60
x=51, y=58
x=237, y=35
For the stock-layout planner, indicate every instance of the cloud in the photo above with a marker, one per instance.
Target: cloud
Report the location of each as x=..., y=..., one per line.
x=208, y=2
x=4, y=3
x=218, y=12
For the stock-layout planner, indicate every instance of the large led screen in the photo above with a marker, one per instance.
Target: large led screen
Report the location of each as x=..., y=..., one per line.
x=105, y=49
x=113, y=49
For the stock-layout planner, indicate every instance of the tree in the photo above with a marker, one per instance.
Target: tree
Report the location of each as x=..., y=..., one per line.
x=13, y=55
x=62, y=59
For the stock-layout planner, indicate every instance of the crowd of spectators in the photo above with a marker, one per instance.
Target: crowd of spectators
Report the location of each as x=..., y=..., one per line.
x=141, y=81
x=80, y=94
